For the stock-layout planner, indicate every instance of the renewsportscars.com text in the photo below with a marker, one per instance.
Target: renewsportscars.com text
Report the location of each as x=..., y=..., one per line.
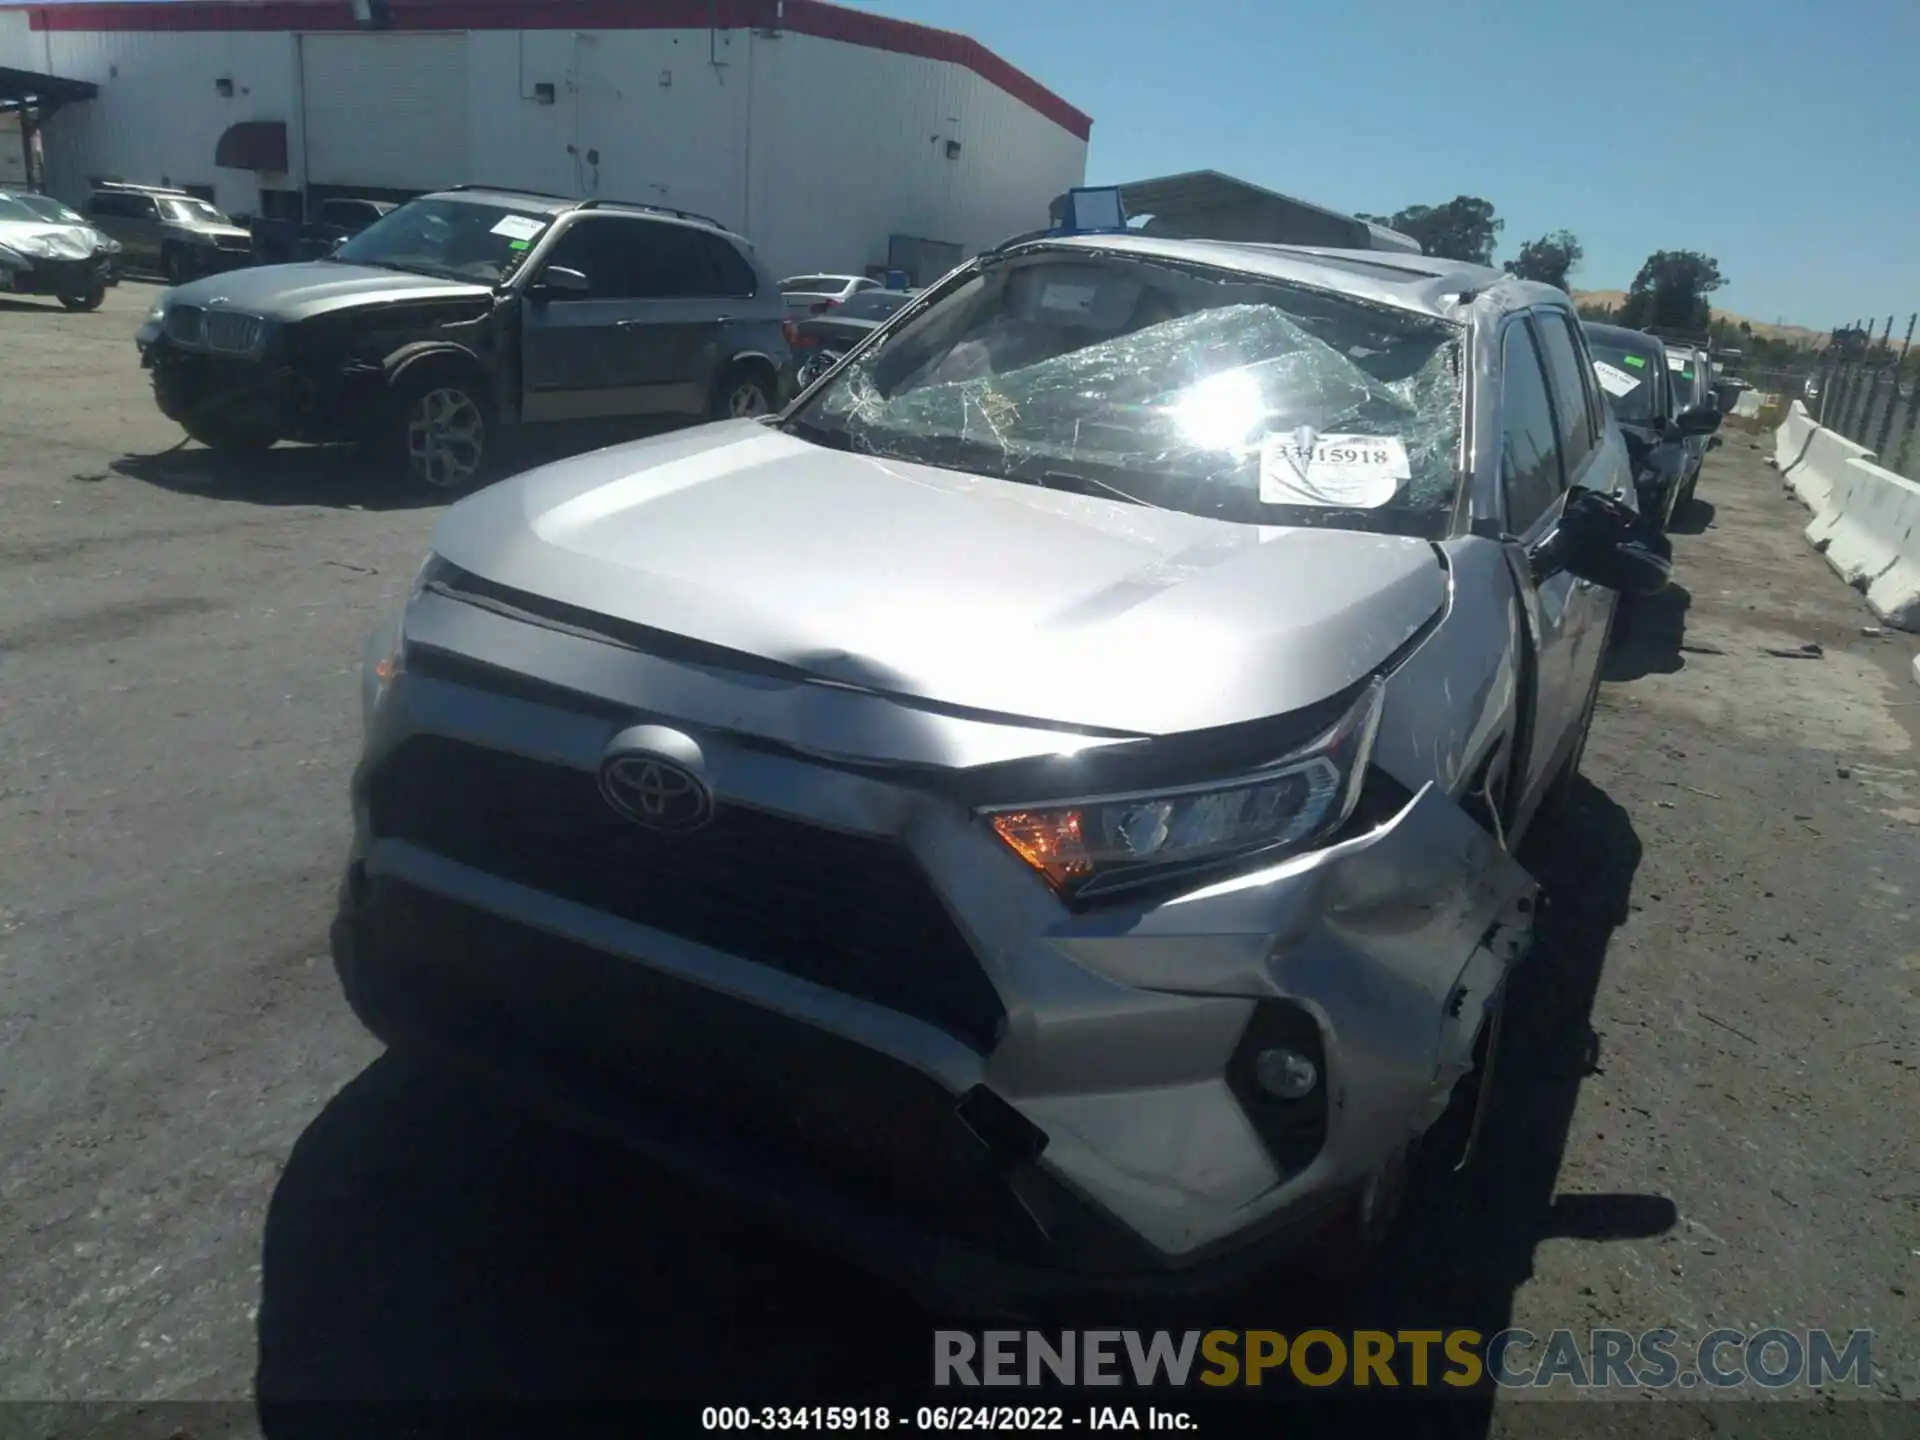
x=1771, y=1359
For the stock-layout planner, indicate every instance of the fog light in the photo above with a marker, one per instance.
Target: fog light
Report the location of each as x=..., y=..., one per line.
x=1285, y=1074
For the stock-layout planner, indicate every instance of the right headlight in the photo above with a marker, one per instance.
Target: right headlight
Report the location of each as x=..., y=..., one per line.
x=1106, y=843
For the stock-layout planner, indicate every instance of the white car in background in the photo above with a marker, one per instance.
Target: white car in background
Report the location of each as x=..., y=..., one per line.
x=810, y=294
x=46, y=249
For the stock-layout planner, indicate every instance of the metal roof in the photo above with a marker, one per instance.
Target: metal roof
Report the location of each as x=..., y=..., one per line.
x=1171, y=198
x=1427, y=284
x=29, y=87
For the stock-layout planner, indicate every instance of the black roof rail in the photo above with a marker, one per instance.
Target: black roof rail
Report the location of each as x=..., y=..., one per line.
x=591, y=202
x=507, y=190
x=597, y=203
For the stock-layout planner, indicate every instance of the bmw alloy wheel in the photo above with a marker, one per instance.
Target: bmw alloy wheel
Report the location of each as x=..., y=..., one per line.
x=446, y=437
x=747, y=399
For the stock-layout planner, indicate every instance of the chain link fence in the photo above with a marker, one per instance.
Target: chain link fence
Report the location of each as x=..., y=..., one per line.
x=1872, y=397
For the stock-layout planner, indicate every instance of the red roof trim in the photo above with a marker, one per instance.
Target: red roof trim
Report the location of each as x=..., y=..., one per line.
x=802, y=17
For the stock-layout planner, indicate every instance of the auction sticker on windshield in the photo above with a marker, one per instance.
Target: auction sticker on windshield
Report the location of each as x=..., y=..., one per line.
x=519, y=227
x=1356, y=471
x=1613, y=381
x=1075, y=299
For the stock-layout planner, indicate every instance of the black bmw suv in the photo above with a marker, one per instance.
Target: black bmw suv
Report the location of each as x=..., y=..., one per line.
x=464, y=313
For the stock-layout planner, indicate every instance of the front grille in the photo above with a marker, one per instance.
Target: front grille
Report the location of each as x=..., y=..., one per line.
x=635, y=1043
x=239, y=243
x=847, y=912
x=230, y=333
x=185, y=324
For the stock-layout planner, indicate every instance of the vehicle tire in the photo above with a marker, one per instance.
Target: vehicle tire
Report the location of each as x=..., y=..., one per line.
x=176, y=264
x=743, y=392
x=1350, y=1250
x=85, y=299
x=443, y=432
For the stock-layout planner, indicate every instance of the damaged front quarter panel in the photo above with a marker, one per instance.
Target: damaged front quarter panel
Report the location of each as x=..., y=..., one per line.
x=1398, y=940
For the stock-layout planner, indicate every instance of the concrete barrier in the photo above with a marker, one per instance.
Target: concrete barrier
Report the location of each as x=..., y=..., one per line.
x=1866, y=519
x=1747, y=407
x=1790, y=441
x=1870, y=534
x=1823, y=465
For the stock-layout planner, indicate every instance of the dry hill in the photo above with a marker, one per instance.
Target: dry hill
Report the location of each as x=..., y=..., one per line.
x=1794, y=334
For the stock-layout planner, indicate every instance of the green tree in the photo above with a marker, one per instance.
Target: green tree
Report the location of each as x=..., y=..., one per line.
x=1671, y=290
x=1550, y=259
x=1465, y=228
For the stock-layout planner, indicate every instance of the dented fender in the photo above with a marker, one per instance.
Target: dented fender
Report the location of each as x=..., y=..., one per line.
x=1399, y=941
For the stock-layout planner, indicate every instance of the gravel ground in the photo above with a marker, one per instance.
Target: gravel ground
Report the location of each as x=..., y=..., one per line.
x=217, y=1186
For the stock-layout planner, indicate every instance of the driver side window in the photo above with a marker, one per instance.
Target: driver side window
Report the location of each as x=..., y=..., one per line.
x=601, y=249
x=1530, y=465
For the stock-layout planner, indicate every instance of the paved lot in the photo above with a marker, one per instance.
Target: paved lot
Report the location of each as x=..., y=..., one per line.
x=214, y=1181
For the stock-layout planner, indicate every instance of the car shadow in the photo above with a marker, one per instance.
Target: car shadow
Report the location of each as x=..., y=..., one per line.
x=1649, y=635
x=427, y=1244
x=345, y=476
x=11, y=303
x=1466, y=1241
x=1696, y=519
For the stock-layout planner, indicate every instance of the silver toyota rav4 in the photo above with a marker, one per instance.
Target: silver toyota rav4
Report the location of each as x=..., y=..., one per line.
x=1039, y=812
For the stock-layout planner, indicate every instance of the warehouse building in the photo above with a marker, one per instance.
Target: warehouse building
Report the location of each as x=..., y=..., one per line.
x=836, y=140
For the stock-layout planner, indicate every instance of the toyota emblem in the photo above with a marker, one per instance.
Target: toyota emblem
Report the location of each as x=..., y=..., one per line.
x=655, y=793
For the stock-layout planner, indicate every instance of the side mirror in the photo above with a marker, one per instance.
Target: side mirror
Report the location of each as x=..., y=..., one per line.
x=1604, y=541
x=557, y=281
x=1700, y=420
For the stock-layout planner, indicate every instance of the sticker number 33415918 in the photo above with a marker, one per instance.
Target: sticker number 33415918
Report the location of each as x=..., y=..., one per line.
x=1363, y=471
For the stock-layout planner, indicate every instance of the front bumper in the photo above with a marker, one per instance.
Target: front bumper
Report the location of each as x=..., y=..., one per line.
x=63, y=276
x=264, y=391
x=218, y=259
x=856, y=1008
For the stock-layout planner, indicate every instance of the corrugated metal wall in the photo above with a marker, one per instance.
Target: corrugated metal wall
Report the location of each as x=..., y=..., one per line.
x=388, y=111
x=158, y=115
x=21, y=46
x=817, y=150
x=850, y=145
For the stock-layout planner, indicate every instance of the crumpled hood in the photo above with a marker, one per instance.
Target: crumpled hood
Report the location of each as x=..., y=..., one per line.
x=69, y=242
x=967, y=592
x=300, y=291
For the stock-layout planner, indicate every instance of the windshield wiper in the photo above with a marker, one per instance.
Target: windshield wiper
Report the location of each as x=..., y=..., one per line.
x=1048, y=478
x=819, y=434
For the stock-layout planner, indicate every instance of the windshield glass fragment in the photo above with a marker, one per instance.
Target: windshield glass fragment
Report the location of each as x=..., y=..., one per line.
x=1231, y=397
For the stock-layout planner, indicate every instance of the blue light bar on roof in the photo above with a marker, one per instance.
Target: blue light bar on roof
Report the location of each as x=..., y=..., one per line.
x=1093, y=210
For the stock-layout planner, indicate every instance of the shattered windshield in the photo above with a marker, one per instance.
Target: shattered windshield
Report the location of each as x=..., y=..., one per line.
x=453, y=239
x=1232, y=397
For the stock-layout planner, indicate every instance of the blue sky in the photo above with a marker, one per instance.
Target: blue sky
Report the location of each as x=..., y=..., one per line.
x=1774, y=135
